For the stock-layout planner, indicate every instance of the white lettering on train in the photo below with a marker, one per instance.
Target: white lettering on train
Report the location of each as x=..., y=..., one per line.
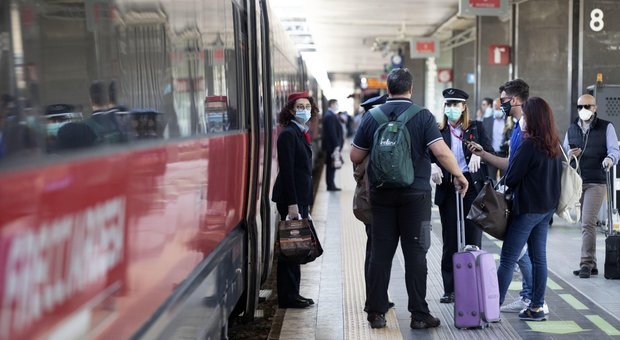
x=47, y=266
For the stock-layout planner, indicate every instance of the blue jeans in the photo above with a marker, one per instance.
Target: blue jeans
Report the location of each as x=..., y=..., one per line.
x=525, y=266
x=525, y=228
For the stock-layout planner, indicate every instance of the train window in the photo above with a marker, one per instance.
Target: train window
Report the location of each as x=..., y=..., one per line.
x=76, y=74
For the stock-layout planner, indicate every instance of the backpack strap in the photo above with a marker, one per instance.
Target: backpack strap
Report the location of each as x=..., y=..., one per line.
x=378, y=115
x=409, y=113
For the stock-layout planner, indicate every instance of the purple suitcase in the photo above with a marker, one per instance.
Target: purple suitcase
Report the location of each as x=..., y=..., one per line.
x=476, y=291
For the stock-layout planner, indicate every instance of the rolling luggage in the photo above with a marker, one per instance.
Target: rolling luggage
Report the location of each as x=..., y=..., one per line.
x=476, y=290
x=612, y=242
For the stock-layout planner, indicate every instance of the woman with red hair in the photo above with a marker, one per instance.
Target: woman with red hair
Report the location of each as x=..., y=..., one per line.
x=534, y=179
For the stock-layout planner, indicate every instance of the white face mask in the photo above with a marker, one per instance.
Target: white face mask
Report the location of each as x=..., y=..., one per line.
x=522, y=123
x=585, y=115
x=498, y=114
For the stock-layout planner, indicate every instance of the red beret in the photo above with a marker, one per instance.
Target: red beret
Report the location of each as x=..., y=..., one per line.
x=294, y=96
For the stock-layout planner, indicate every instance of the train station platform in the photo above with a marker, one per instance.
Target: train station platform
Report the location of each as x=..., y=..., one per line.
x=579, y=308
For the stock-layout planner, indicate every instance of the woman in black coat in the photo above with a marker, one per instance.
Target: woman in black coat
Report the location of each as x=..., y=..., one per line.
x=292, y=190
x=457, y=131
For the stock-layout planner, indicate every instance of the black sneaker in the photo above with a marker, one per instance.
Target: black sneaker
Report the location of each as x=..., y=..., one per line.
x=594, y=271
x=426, y=321
x=377, y=320
x=536, y=314
x=447, y=298
x=584, y=272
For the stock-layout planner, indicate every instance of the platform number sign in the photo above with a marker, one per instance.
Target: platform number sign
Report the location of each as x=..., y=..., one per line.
x=596, y=20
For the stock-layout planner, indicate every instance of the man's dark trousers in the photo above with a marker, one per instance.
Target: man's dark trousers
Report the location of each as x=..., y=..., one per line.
x=330, y=173
x=404, y=214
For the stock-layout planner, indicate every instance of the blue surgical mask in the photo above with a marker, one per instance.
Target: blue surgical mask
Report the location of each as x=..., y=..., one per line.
x=302, y=116
x=498, y=114
x=453, y=113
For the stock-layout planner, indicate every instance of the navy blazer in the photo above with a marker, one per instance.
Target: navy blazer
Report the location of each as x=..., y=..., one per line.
x=332, y=134
x=294, y=181
x=474, y=133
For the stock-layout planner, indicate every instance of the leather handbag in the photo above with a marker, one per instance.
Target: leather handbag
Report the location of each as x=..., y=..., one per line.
x=490, y=211
x=298, y=241
x=361, y=197
x=570, y=186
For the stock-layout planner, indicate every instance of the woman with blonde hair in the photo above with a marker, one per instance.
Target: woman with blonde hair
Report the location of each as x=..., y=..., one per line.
x=458, y=130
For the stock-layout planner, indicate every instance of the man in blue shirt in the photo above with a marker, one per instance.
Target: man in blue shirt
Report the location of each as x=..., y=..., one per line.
x=512, y=95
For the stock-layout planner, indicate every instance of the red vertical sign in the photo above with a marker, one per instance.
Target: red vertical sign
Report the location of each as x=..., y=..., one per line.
x=499, y=54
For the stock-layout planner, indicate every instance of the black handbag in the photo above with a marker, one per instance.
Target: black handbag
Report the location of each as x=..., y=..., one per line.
x=298, y=241
x=490, y=211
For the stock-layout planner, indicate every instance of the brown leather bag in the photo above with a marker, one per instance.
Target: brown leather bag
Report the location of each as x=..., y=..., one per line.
x=298, y=241
x=490, y=211
x=361, y=198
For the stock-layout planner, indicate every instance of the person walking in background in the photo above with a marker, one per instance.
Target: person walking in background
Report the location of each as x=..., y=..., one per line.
x=494, y=127
x=457, y=131
x=403, y=212
x=485, y=110
x=534, y=178
x=332, y=141
x=595, y=144
x=292, y=190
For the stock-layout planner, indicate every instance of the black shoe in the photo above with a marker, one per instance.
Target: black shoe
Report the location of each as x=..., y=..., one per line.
x=425, y=321
x=309, y=301
x=377, y=320
x=594, y=271
x=585, y=272
x=295, y=304
x=333, y=189
x=390, y=306
x=447, y=298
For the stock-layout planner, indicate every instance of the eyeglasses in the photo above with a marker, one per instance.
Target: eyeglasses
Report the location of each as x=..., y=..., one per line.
x=587, y=106
x=505, y=99
x=302, y=107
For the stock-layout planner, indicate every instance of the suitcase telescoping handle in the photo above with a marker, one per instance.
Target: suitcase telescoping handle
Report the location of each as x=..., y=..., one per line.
x=460, y=222
x=610, y=203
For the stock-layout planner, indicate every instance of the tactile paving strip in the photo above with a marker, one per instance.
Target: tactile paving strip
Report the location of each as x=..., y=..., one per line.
x=353, y=240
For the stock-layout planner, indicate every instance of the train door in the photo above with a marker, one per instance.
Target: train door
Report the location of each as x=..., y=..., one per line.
x=266, y=127
x=247, y=90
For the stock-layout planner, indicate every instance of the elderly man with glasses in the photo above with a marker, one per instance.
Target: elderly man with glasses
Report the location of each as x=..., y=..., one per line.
x=595, y=144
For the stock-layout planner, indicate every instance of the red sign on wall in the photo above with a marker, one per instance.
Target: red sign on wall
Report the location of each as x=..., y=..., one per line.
x=484, y=3
x=499, y=55
x=424, y=47
x=444, y=75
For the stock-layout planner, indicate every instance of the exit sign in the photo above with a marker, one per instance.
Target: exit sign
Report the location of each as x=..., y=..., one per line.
x=424, y=48
x=499, y=54
x=483, y=7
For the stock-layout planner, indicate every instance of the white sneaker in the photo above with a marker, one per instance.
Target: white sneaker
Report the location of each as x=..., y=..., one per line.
x=516, y=306
x=545, y=308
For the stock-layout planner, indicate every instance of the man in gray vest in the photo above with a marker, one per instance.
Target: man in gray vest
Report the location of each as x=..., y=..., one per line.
x=595, y=144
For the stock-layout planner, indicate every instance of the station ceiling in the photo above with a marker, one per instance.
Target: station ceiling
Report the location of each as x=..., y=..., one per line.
x=350, y=36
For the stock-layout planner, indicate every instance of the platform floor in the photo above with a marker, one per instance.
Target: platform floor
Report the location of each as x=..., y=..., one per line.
x=580, y=308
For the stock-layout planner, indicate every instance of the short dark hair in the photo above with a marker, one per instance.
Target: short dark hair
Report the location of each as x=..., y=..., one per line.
x=98, y=93
x=399, y=81
x=488, y=101
x=331, y=101
x=517, y=88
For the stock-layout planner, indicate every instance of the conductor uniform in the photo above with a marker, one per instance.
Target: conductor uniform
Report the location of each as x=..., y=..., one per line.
x=457, y=138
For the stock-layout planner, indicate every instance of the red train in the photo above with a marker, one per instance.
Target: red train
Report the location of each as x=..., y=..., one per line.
x=136, y=161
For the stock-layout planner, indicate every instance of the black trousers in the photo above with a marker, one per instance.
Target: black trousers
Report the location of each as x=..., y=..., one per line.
x=289, y=274
x=473, y=234
x=367, y=259
x=330, y=174
x=399, y=214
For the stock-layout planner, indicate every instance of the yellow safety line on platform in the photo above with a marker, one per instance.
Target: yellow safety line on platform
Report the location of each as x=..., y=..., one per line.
x=353, y=238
